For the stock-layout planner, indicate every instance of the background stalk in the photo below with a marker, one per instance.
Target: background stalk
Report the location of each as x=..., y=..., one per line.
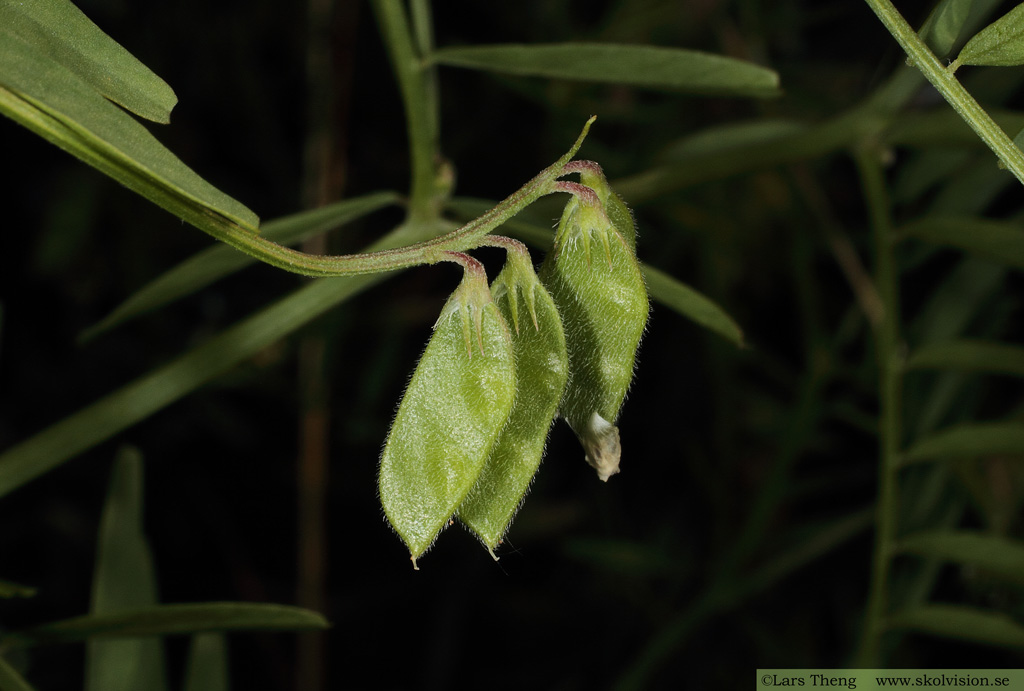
x=329, y=45
x=889, y=359
x=415, y=82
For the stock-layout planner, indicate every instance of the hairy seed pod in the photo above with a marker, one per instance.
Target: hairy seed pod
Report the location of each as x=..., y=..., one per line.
x=595, y=280
x=618, y=213
x=541, y=371
x=457, y=402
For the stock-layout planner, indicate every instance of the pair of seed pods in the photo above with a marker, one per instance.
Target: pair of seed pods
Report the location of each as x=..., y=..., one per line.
x=503, y=362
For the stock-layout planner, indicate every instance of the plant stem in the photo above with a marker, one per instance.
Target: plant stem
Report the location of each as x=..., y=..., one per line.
x=423, y=32
x=889, y=358
x=415, y=83
x=950, y=87
x=427, y=252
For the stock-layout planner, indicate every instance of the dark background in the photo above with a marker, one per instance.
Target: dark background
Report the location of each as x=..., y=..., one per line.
x=591, y=575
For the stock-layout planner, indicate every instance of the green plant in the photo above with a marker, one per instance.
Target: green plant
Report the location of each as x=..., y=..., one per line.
x=868, y=397
x=897, y=534
x=68, y=82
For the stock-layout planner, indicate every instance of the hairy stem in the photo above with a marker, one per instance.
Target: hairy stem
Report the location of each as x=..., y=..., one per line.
x=949, y=86
x=428, y=252
x=415, y=84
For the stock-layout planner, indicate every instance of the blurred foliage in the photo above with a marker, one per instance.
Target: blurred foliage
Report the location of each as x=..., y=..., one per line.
x=739, y=531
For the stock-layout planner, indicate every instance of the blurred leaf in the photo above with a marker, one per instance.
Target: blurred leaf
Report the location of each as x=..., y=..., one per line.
x=726, y=594
x=996, y=555
x=207, y=666
x=805, y=143
x=168, y=620
x=8, y=589
x=59, y=106
x=978, y=439
x=998, y=241
x=944, y=24
x=943, y=127
x=960, y=622
x=220, y=261
x=688, y=302
x=164, y=385
x=950, y=307
x=816, y=540
x=974, y=356
x=734, y=135
x=10, y=680
x=627, y=557
x=969, y=191
x=65, y=35
x=1001, y=43
x=927, y=170
x=125, y=580
x=652, y=67
x=125, y=576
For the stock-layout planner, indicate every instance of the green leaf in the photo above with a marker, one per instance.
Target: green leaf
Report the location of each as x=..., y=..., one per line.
x=10, y=680
x=220, y=261
x=125, y=577
x=652, y=67
x=960, y=622
x=65, y=35
x=207, y=666
x=8, y=589
x=164, y=385
x=996, y=555
x=997, y=241
x=169, y=620
x=680, y=297
x=971, y=356
x=125, y=580
x=944, y=24
x=1001, y=43
x=58, y=105
x=967, y=440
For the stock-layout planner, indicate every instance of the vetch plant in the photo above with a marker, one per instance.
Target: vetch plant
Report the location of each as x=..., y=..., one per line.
x=479, y=405
x=506, y=358
x=877, y=398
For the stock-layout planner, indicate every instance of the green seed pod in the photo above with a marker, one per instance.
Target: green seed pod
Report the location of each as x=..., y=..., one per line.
x=541, y=371
x=457, y=402
x=595, y=280
x=621, y=218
